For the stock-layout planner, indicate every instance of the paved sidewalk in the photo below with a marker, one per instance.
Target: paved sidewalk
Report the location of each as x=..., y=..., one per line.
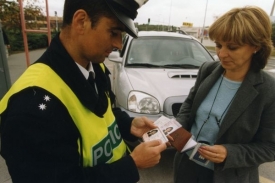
x=17, y=65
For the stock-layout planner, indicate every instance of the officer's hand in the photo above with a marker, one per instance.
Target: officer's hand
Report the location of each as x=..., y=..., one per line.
x=147, y=154
x=141, y=125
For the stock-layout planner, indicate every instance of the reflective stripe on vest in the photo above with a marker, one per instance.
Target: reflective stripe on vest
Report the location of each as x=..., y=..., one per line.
x=101, y=139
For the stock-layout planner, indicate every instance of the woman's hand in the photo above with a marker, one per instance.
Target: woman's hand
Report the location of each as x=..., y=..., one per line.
x=216, y=153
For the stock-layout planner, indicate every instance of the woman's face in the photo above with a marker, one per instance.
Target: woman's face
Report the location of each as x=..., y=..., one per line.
x=234, y=57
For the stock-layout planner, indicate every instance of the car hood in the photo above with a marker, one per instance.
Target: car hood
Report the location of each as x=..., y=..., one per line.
x=162, y=83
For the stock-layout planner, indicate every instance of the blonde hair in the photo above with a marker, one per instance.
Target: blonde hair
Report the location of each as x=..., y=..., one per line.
x=248, y=25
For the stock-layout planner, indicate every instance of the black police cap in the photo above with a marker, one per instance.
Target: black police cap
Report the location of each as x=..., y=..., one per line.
x=126, y=12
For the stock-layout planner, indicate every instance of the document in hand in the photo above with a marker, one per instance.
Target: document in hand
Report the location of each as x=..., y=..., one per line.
x=155, y=134
x=182, y=138
x=195, y=155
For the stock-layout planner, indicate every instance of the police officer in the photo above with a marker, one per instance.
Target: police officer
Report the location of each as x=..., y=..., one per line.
x=57, y=121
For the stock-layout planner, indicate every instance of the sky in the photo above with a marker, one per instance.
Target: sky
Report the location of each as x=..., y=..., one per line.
x=175, y=12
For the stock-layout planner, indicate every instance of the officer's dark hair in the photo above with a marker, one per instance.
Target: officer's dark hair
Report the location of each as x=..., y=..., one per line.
x=94, y=8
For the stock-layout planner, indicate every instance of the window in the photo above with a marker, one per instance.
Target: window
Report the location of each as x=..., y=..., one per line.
x=166, y=50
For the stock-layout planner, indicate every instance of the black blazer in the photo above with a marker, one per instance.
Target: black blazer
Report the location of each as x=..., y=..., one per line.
x=248, y=128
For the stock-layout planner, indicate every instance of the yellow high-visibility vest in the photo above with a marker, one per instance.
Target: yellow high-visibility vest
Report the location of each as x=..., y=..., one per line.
x=101, y=139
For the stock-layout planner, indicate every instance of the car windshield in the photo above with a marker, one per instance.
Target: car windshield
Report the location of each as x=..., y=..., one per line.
x=168, y=52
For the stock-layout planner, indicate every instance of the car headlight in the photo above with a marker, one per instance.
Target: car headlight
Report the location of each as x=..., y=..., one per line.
x=143, y=103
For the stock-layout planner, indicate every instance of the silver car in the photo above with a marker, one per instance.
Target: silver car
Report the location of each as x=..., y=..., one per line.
x=153, y=74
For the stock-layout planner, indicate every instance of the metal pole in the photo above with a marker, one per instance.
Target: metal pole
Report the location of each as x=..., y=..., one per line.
x=25, y=39
x=48, y=23
x=272, y=9
x=5, y=82
x=170, y=15
x=56, y=23
x=204, y=21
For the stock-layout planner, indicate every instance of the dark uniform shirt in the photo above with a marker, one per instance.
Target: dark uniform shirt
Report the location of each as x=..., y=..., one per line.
x=39, y=137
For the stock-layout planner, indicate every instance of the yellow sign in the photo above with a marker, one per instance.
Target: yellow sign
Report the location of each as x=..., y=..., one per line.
x=188, y=24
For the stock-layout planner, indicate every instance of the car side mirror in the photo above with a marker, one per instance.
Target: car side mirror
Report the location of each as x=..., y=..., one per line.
x=114, y=57
x=216, y=58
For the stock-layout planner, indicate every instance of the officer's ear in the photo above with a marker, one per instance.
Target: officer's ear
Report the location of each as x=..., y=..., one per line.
x=81, y=21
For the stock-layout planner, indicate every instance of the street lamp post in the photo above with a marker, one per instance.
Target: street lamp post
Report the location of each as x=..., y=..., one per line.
x=272, y=9
x=56, y=22
x=169, y=15
x=202, y=32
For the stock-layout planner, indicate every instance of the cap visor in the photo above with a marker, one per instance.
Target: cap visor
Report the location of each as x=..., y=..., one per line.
x=128, y=22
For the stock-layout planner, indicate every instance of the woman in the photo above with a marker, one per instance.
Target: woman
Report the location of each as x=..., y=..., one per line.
x=232, y=105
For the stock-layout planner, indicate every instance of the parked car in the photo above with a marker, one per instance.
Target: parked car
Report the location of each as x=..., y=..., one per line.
x=153, y=74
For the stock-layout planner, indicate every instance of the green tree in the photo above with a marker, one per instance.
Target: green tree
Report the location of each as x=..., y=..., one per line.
x=11, y=21
x=146, y=27
x=10, y=14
